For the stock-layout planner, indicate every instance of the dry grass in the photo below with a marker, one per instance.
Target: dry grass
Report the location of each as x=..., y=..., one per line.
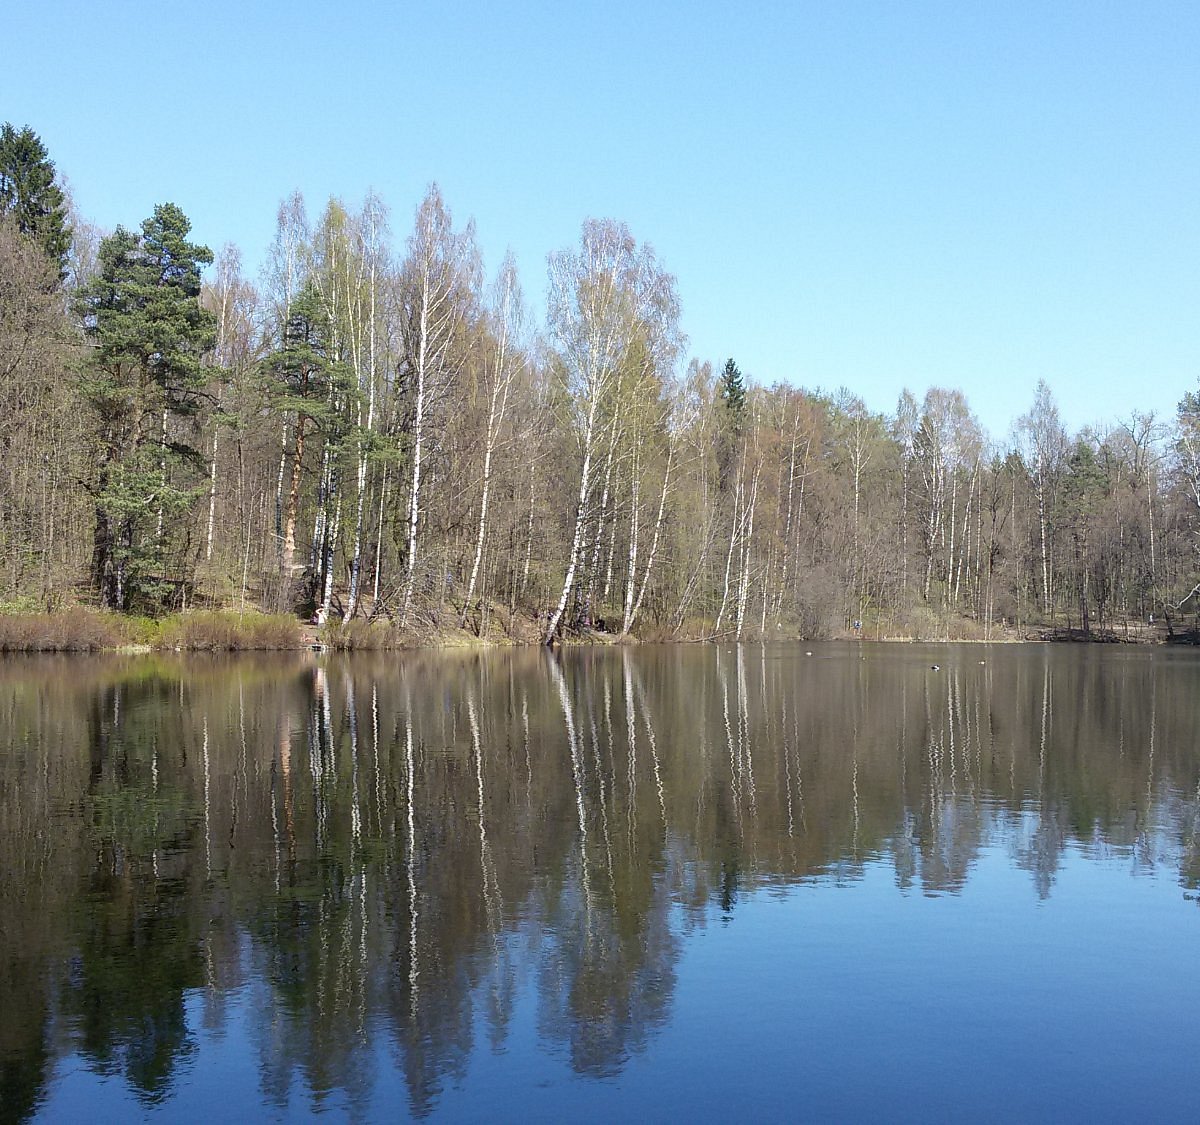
x=363, y=636
x=228, y=631
x=69, y=630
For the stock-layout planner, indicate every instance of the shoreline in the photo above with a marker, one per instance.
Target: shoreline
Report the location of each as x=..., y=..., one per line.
x=82, y=630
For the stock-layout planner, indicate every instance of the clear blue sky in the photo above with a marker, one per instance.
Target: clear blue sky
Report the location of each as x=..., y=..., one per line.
x=878, y=195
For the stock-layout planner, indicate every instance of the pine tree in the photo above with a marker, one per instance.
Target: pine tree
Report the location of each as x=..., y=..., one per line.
x=29, y=193
x=144, y=376
x=303, y=382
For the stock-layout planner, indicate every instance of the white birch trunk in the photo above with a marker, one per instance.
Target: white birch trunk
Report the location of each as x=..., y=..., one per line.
x=580, y=518
x=631, y=617
x=733, y=538
x=414, y=504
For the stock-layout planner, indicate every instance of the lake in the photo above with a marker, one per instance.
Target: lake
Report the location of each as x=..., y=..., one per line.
x=783, y=882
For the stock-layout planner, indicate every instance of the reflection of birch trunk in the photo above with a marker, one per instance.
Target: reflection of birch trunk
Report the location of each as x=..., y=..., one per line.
x=576, y=774
x=653, y=744
x=355, y=800
x=744, y=755
x=734, y=767
x=359, y=882
x=631, y=734
x=322, y=760
x=602, y=786
x=378, y=780
x=410, y=857
x=285, y=770
x=487, y=867
x=207, y=808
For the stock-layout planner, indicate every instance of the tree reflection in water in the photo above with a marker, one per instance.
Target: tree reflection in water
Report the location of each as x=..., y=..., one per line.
x=395, y=851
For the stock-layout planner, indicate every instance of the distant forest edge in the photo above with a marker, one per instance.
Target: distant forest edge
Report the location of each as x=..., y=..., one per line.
x=375, y=433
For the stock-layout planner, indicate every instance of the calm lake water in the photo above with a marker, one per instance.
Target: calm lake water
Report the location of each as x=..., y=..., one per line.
x=677, y=883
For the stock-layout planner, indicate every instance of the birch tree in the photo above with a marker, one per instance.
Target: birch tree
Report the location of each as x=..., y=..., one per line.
x=438, y=293
x=1044, y=446
x=504, y=356
x=602, y=297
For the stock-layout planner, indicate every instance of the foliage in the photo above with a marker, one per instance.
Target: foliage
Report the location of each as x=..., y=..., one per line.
x=142, y=381
x=30, y=195
x=361, y=435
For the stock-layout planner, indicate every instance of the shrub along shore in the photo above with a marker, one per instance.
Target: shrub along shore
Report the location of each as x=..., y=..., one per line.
x=84, y=629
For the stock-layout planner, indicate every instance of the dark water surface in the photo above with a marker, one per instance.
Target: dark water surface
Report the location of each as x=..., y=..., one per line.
x=685, y=883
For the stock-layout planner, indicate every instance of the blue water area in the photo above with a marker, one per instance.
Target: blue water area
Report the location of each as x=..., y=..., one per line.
x=659, y=884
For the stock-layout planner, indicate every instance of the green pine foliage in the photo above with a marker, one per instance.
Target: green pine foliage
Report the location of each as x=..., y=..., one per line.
x=302, y=377
x=30, y=195
x=143, y=382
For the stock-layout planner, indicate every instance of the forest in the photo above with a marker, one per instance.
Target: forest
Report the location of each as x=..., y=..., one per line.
x=375, y=430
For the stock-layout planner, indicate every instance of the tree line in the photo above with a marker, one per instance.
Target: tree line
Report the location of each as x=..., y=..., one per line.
x=374, y=428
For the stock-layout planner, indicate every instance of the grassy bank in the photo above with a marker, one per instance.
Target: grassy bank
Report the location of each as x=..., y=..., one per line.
x=79, y=629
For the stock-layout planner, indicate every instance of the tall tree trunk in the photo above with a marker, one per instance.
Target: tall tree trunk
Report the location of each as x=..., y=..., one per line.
x=631, y=617
x=581, y=505
x=288, y=553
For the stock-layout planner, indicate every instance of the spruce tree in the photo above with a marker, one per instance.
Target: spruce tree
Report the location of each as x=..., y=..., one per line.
x=731, y=393
x=142, y=379
x=30, y=195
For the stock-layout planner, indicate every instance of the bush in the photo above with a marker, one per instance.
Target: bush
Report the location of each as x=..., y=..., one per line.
x=361, y=636
x=70, y=630
x=228, y=631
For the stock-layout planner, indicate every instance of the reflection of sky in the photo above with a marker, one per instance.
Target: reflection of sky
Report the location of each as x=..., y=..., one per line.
x=826, y=1001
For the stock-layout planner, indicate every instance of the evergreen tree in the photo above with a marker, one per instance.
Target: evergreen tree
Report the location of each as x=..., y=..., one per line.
x=29, y=193
x=731, y=424
x=303, y=382
x=733, y=394
x=144, y=376
x=1084, y=487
